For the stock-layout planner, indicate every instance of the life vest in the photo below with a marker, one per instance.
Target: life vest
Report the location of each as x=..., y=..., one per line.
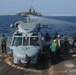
x=53, y=47
x=3, y=40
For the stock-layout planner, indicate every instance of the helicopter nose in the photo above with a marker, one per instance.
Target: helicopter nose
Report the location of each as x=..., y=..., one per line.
x=24, y=58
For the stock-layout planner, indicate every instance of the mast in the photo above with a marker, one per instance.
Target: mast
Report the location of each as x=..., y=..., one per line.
x=31, y=3
x=31, y=8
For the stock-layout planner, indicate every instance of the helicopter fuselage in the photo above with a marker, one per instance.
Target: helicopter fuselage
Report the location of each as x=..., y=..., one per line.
x=26, y=46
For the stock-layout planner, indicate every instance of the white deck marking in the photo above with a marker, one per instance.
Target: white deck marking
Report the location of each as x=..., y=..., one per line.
x=69, y=65
x=74, y=55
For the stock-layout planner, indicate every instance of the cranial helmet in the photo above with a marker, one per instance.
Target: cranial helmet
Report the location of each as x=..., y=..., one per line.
x=54, y=40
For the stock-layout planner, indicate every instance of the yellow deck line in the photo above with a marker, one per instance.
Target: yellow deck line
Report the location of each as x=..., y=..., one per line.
x=66, y=71
x=21, y=68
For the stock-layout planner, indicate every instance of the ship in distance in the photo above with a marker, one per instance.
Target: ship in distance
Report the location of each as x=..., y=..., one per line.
x=31, y=11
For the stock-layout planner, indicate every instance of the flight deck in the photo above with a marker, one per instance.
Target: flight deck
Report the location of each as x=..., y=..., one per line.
x=66, y=65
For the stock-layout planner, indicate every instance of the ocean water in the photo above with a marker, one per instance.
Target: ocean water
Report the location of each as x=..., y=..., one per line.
x=5, y=22
x=60, y=24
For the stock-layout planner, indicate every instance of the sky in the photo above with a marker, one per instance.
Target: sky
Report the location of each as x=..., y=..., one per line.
x=47, y=7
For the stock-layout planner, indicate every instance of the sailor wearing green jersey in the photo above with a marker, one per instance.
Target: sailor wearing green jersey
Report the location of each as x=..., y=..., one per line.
x=3, y=43
x=54, y=47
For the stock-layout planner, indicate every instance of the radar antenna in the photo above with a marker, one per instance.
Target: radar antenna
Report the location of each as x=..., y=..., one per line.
x=31, y=7
x=31, y=3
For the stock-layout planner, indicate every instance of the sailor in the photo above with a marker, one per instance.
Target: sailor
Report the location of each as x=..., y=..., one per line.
x=65, y=41
x=74, y=39
x=3, y=43
x=58, y=41
x=55, y=35
x=47, y=37
x=53, y=48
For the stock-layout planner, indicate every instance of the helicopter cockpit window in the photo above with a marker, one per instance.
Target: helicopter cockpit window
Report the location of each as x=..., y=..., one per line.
x=34, y=41
x=25, y=40
x=17, y=41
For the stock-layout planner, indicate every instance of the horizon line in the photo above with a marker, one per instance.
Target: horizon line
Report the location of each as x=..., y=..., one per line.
x=60, y=15
x=45, y=14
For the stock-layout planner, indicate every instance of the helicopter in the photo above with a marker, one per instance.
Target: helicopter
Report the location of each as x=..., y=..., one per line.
x=27, y=42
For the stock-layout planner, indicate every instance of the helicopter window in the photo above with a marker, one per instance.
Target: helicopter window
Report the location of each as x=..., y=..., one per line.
x=17, y=41
x=25, y=40
x=20, y=34
x=34, y=41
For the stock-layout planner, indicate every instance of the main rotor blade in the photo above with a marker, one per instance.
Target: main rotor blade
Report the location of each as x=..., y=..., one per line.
x=44, y=20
